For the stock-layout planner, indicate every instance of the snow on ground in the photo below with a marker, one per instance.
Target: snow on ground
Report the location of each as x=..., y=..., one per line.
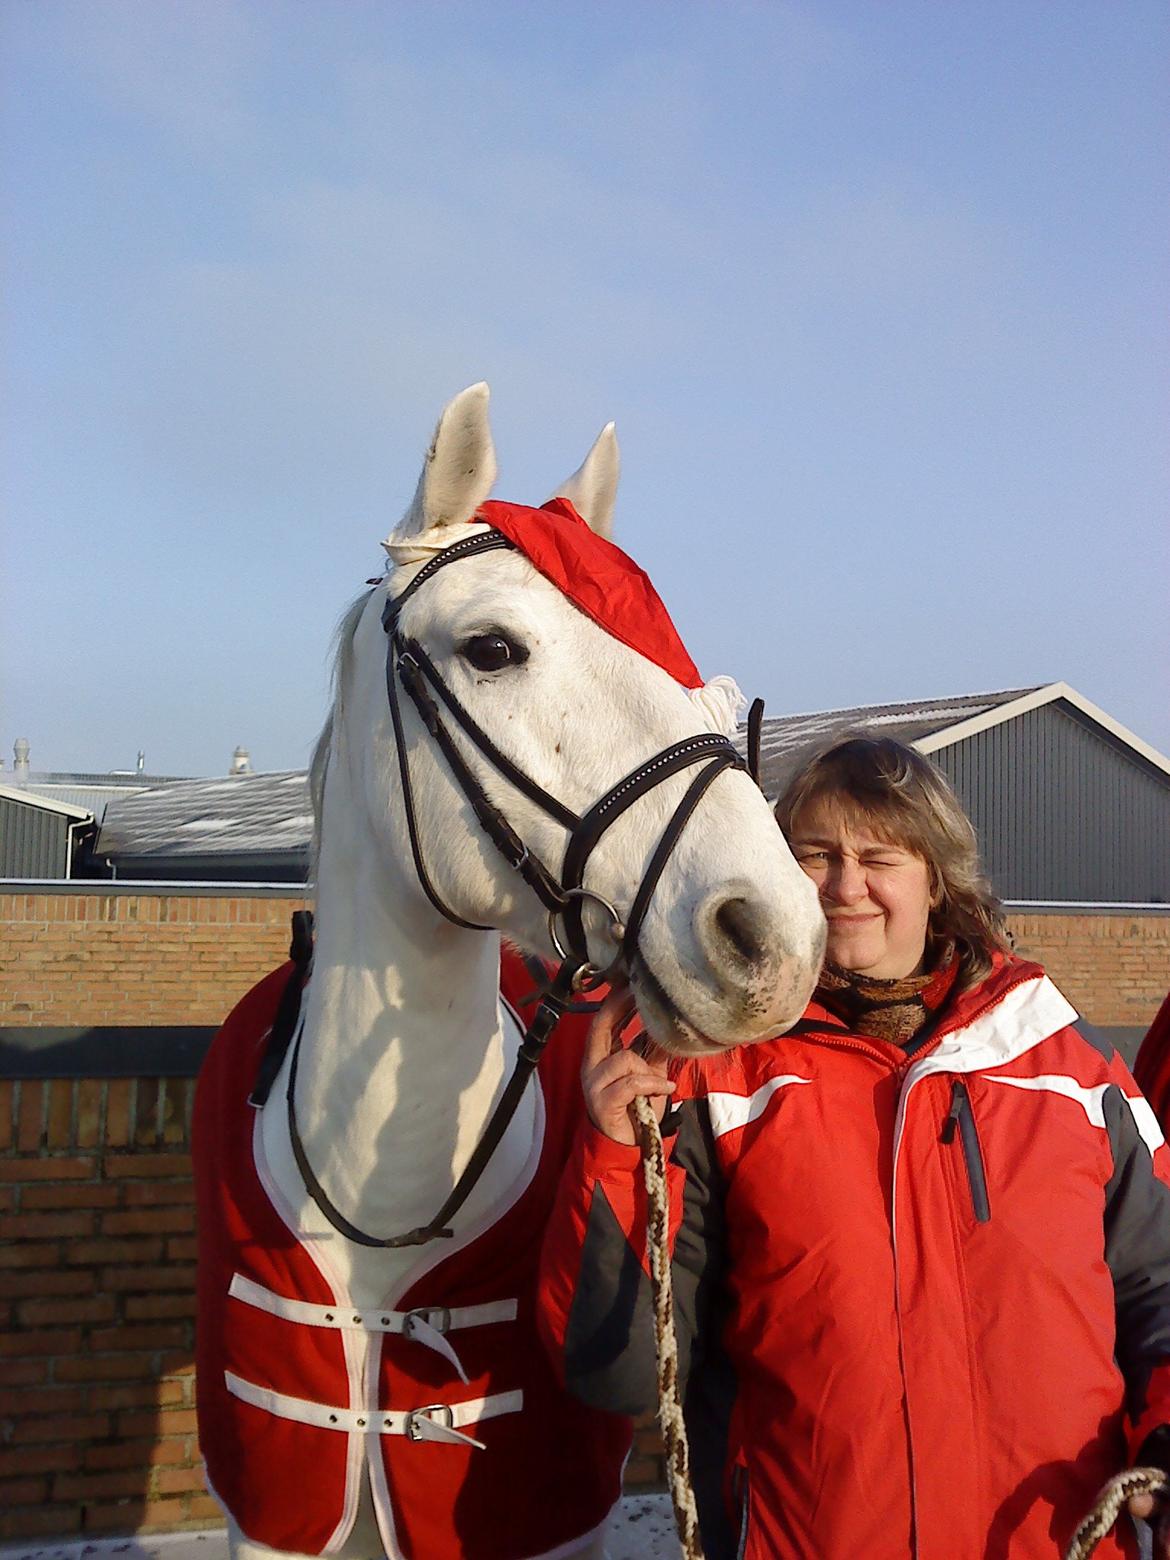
x=643, y=1530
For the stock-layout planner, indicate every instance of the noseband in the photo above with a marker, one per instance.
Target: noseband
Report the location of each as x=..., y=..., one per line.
x=408, y=664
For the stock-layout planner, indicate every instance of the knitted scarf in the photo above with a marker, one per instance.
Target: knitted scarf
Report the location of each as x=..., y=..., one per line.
x=893, y=1010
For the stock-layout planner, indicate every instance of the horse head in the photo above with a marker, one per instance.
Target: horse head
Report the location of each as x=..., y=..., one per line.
x=496, y=626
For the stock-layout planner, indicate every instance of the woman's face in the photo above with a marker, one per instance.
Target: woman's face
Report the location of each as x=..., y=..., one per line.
x=876, y=896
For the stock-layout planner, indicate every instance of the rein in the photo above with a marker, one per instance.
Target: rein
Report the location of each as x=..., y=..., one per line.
x=409, y=665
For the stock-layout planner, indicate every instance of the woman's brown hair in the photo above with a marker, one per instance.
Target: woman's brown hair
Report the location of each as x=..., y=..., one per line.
x=905, y=799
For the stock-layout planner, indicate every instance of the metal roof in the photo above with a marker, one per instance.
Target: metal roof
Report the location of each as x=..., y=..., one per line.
x=94, y=792
x=54, y=804
x=242, y=814
x=786, y=739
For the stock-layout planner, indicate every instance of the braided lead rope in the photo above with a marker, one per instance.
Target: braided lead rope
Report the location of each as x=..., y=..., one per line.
x=1111, y=1500
x=670, y=1415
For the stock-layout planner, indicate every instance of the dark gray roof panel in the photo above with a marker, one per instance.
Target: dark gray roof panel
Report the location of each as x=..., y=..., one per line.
x=243, y=814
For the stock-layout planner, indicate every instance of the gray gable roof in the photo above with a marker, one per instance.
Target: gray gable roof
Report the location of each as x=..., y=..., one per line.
x=787, y=740
x=248, y=814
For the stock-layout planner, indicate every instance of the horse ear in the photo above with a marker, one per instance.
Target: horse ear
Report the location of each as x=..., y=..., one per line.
x=460, y=469
x=592, y=488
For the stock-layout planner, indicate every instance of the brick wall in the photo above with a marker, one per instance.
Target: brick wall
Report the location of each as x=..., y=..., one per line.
x=97, y=1248
x=79, y=956
x=97, y=1428
x=1113, y=966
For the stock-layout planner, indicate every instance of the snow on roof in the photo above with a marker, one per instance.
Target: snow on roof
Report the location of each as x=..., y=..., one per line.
x=248, y=813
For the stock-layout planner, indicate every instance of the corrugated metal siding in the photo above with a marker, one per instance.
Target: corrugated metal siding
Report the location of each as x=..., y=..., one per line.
x=1062, y=812
x=34, y=842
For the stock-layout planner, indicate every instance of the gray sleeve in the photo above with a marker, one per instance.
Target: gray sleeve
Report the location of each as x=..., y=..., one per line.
x=609, y=1343
x=1137, y=1249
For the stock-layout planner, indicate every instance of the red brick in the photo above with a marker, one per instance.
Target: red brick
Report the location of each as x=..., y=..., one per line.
x=47, y=1313
x=177, y=1363
x=90, y=1112
x=152, y=1394
x=45, y=1400
x=60, y=1113
x=158, y=1307
x=22, y=1373
x=163, y=1515
x=140, y=1337
x=150, y=1194
x=167, y=1421
x=30, y=1114
x=50, y=1168
x=170, y=1277
x=178, y=1481
x=40, y=1522
x=26, y=1345
x=149, y=1221
x=59, y=1281
x=107, y=1367
x=119, y=1109
x=61, y=1427
x=91, y=1252
x=182, y=1248
x=41, y=1255
x=206, y=1507
x=7, y=1097
x=136, y=1454
x=75, y=1194
x=43, y=1226
x=122, y=1516
x=37, y=1459
x=22, y=1492
x=148, y=1166
x=86, y=1486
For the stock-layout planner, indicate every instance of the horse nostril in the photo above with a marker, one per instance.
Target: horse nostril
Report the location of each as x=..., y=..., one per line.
x=740, y=925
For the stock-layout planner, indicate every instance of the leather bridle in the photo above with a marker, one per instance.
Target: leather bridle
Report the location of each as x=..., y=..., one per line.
x=563, y=896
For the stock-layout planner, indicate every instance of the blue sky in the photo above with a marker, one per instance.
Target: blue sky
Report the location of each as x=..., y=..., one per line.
x=875, y=292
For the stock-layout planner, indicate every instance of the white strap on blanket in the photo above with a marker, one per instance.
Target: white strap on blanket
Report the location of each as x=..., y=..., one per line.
x=426, y=1324
x=432, y=1422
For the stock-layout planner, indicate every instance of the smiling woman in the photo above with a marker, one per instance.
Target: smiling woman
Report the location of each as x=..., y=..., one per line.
x=938, y=1186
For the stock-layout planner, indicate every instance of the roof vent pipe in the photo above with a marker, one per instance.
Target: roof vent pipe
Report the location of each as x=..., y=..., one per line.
x=20, y=768
x=141, y=761
x=241, y=762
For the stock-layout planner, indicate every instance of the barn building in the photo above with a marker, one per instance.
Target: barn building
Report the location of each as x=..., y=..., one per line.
x=1069, y=805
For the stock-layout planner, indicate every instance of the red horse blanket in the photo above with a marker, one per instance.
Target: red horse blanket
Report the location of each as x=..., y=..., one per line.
x=1152, y=1068
x=499, y=1464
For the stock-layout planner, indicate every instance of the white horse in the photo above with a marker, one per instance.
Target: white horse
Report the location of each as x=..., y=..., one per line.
x=404, y=1044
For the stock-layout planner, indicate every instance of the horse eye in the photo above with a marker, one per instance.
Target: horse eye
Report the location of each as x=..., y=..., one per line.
x=492, y=652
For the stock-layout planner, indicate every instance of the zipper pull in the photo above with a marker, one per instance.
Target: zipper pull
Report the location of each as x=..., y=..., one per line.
x=951, y=1121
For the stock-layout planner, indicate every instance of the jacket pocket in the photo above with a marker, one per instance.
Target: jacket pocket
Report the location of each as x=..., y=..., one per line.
x=960, y=1122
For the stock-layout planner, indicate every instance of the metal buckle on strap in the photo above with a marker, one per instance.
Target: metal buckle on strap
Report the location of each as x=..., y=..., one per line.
x=446, y=1419
x=436, y=1316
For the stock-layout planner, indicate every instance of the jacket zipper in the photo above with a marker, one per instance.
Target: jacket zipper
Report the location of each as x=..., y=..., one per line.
x=961, y=1119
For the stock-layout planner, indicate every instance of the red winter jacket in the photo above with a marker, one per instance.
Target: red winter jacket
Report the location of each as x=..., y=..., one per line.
x=287, y=1424
x=923, y=1300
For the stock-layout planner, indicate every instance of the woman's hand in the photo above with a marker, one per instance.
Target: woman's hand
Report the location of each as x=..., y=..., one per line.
x=1153, y=1509
x=613, y=1077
